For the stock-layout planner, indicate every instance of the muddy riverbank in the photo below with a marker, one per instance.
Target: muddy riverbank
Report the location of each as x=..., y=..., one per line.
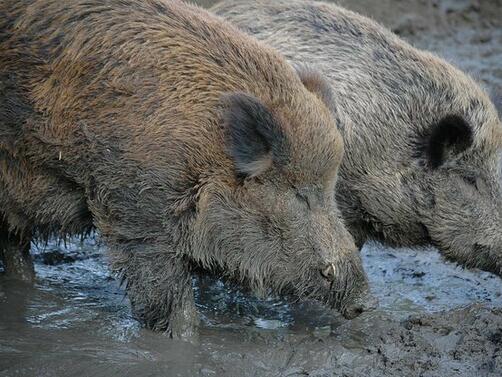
x=434, y=319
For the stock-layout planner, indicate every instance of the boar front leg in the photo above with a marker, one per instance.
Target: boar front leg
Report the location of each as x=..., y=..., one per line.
x=15, y=254
x=159, y=286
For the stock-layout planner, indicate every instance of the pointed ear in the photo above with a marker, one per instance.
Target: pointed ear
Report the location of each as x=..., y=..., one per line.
x=315, y=83
x=451, y=136
x=253, y=135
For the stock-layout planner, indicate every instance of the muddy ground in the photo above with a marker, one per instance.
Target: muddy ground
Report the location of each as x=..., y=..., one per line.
x=434, y=318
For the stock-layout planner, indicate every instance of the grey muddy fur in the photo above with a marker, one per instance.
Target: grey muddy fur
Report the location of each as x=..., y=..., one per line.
x=186, y=143
x=422, y=139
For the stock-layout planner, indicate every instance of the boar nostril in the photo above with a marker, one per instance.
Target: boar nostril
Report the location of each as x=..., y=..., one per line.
x=353, y=311
x=361, y=305
x=329, y=272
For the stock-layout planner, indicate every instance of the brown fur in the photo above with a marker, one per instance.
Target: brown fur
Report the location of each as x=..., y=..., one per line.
x=184, y=142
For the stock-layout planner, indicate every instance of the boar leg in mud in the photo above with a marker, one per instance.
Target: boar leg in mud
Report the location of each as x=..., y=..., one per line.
x=15, y=255
x=159, y=287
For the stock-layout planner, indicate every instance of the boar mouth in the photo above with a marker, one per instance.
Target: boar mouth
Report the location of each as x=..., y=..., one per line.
x=347, y=291
x=481, y=256
x=351, y=302
x=360, y=305
x=485, y=258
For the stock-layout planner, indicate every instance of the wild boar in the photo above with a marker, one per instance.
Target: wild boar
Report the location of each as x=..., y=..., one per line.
x=187, y=144
x=422, y=139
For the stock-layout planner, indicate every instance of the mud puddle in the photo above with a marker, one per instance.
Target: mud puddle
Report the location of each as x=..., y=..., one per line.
x=434, y=319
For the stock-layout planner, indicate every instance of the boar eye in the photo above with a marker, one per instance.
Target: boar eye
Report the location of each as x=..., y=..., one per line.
x=471, y=180
x=303, y=198
x=247, y=180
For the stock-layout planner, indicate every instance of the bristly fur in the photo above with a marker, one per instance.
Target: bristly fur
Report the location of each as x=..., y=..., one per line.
x=422, y=139
x=113, y=115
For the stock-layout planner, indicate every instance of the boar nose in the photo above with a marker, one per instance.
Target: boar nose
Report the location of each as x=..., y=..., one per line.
x=363, y=304
x=329, y=272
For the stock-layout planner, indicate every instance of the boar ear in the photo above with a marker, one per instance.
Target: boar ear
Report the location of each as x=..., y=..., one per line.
x=452, y=135
x=252, y=134
x=316, y=84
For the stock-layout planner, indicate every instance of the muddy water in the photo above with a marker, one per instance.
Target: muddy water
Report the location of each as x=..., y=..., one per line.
x=76, y=322
x=434, y=319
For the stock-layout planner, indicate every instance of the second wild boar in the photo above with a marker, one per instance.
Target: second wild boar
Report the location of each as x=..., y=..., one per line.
x=423, y=141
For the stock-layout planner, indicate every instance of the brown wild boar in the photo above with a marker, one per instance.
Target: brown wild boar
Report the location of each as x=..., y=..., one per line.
x=186, y=143
x=423, y=141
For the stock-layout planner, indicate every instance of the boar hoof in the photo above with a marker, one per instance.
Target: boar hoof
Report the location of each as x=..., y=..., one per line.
x=16, y=258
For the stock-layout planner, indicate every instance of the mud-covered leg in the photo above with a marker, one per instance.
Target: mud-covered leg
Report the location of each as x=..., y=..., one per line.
x=15, y=254
x=159, y=287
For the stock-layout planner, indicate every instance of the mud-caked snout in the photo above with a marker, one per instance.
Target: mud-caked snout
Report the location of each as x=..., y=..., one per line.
x=357, y=305
x=476, y=245
x=348, y=289
x=488, y=258
x=466, y=220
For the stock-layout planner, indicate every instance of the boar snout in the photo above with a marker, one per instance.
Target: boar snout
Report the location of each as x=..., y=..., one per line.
x=488, y=258
x=364, y=303
x=348, y=286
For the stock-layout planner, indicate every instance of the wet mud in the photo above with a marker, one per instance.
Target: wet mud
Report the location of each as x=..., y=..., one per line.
x=434, y=318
